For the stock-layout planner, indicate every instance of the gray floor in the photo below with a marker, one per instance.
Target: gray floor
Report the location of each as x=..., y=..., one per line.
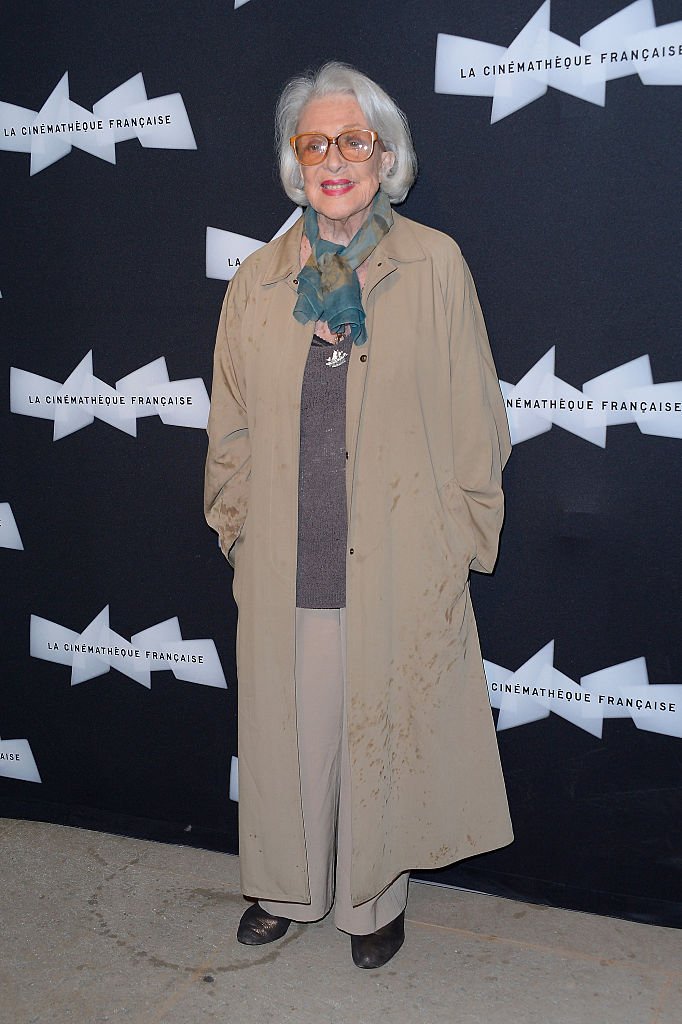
x=100, y=928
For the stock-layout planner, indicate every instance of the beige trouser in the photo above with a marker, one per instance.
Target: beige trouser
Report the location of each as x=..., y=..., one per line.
x=325, y=782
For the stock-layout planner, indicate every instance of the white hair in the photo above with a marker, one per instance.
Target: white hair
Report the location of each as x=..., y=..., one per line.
x=383, y=115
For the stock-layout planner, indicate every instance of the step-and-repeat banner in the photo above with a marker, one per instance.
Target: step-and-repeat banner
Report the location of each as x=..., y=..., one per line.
x=138, y=172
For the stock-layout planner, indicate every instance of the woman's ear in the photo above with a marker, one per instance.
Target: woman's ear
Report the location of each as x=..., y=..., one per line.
x=387, y=161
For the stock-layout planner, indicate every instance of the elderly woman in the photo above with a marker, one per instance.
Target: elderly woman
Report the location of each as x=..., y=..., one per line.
x=356, y=442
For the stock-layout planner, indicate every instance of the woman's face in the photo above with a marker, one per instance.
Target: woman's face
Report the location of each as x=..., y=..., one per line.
x=340, y=191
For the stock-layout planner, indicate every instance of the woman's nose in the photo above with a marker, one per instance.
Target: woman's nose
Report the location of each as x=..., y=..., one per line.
x=333, y=159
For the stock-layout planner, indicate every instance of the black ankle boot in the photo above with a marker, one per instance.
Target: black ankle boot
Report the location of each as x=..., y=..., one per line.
x=258, y=927
x=376, y=949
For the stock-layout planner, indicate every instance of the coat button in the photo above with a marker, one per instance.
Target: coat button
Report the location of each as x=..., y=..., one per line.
x=352, y=551
x=295, y=281
x=363, y=357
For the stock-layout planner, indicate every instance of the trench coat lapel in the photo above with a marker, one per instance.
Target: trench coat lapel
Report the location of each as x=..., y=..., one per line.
x=395, y=249
x=293, y=337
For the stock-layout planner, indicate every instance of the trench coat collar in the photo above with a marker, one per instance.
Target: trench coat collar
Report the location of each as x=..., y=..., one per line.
x=400, y=245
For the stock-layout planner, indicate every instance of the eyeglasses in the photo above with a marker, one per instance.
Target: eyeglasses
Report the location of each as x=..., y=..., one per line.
x=355, y=146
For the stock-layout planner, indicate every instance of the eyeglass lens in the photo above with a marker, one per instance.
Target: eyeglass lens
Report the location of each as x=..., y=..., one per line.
x=354, y=146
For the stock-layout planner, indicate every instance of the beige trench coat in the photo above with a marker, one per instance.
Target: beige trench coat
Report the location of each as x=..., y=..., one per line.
x=427, y=438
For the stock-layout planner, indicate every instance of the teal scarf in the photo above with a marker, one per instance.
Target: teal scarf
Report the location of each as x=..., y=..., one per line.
x=328, y=287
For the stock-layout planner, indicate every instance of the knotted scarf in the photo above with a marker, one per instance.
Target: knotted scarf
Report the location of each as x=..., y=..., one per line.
x=328, y=287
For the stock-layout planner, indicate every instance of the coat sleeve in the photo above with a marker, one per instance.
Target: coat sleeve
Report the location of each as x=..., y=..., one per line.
x=480, y=432
x=228, y=463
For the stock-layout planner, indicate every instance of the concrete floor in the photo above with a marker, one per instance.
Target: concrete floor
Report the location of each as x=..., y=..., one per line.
x=102, y=928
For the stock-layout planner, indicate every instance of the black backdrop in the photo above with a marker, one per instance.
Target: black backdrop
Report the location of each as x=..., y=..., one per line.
x=568, y=212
